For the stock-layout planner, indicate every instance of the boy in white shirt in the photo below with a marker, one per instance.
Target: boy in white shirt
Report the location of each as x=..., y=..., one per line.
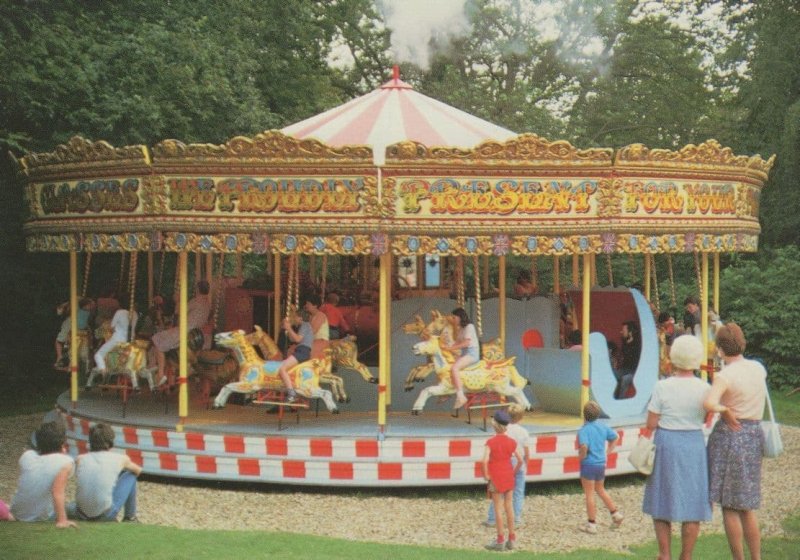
x=106, y=480
x=43, y=476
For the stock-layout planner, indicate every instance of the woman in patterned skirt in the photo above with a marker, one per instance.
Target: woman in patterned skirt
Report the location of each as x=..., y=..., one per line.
x=677, y=490
x=736, y=443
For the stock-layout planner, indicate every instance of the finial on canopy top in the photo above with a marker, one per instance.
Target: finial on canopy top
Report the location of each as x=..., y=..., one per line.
x=396, y=72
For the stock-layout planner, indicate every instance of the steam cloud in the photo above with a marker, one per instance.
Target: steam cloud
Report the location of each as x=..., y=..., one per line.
x=417, y=25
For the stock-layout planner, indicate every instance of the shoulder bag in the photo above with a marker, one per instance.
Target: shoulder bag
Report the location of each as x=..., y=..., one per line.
x=773, y=443
x=643, y=455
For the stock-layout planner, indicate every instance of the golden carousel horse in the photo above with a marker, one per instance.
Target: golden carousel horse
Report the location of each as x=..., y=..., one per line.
x=484, y=377
x=256, y=374
x=491, y=351
x=343, y=354
x=128, y=359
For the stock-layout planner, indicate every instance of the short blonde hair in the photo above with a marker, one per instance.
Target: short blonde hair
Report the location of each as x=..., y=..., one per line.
x=516, y=411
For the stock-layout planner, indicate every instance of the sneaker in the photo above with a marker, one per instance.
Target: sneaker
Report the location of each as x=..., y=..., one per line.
x=488, y=524
x=132, y=519
x=617, y=518
x=510, y=544
x=590, y=528
x=291, y=397
x=460, y=401
x=494, y=545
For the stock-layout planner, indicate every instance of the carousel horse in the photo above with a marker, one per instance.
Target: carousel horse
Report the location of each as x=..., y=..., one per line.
x=256, y=374
x=491, y=351
x=270, y=351
x=501, y=378
x=128, y=359
x=344, y=354
x=84, y=344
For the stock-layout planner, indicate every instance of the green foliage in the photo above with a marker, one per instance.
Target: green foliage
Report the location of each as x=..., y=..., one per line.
x=759, y=296
x=122, y=541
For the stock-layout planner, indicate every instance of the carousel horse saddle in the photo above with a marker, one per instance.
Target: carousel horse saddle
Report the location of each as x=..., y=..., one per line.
x=268, y=369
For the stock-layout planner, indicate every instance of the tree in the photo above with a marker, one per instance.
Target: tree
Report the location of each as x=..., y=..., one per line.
x=760, y=299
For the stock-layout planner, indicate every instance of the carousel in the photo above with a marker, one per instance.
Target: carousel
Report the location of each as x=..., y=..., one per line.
x=419, y=205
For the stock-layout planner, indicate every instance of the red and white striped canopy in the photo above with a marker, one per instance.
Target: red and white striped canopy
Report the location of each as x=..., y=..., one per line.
x=395, y=112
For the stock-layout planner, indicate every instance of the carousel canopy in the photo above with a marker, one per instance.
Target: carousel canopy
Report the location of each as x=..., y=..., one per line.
x=394, y=113
x=446, y=183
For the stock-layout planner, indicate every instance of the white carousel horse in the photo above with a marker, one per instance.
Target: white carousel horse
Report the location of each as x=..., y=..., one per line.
x=256, y=374
x=343, y=354
x=269, y=349
x=491, y=351
x=129, y=359
x=501, y=378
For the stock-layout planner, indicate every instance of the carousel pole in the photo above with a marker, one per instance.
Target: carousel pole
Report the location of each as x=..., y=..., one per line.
x=502, y=296
x=716, y=284
x=183, y=323
x=73, y=325
x=276, y=297
x=150, y=270
x=585, y=309
x=704, y=308
x=647, y=272
x=384, y=332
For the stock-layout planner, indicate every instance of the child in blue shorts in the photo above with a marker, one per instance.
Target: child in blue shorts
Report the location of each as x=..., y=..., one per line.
x=592, y=438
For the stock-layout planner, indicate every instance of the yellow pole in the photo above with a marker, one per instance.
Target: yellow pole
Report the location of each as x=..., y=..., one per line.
x=587, y=291
x=594, y=269
x=150, y=271
x=575, y=270
x=647, y=275
x=503, y=310
x=73, y=325
x=183, y=324
x=716, y=284
x=556, y=275
x=384, y=360
x=276, y=298
x=704, y=307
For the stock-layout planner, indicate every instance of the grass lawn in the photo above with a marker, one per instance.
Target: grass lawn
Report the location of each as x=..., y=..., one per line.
x=128, y=542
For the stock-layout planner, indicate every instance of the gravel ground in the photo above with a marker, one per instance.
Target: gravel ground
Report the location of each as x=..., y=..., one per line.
x=443, y=518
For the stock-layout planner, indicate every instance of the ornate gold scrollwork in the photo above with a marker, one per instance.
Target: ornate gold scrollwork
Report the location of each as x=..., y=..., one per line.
x=609, y=199
x=271, y=146
x=709, y=153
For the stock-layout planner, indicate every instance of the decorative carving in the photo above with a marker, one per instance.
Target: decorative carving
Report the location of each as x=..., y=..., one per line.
x=267, y=147
x=154, y=196
x=525, y=148
x=709, y=152
x=80, y=150
x=609, y=199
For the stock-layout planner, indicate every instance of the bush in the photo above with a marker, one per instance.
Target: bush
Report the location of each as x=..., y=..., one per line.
x=761, y=296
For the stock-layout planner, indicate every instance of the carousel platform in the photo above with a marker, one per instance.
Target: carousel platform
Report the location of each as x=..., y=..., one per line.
x=245, y=442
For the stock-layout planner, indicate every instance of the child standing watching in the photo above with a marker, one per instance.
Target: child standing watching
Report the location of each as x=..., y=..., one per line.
x=499, y=473
x=43, y=478
x=521, y=436
x=592, y=438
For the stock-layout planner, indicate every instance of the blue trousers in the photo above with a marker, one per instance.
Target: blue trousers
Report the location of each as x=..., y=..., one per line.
x=123, y=497
x=518, y=495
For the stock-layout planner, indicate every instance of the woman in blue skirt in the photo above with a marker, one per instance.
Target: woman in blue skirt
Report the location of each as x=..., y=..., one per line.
x=677, y=490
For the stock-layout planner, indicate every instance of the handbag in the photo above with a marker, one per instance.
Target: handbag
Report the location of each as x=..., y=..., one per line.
x=773, y=443
x=643, y=455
